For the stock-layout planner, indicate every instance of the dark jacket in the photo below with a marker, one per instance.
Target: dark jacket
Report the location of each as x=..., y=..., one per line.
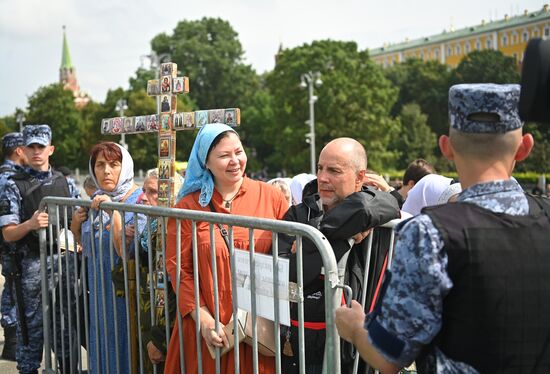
x=358, y=212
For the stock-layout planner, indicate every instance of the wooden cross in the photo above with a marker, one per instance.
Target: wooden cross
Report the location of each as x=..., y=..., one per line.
x=166, y=123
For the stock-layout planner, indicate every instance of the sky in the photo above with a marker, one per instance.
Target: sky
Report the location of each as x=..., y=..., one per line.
x=107, y=38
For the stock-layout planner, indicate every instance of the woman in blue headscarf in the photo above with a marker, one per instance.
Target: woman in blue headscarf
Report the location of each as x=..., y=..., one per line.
x=112, y=170
x=215, y=180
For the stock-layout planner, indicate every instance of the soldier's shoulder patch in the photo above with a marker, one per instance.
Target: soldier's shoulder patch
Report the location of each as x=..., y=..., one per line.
x=5, y=207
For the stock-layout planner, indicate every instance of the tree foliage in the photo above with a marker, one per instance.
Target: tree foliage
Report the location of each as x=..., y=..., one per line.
x=54, y=106
x=395, y=113
x=209, y=52
x=425, y=83
x=416, y=139
x=487, y=66
x=354, y=100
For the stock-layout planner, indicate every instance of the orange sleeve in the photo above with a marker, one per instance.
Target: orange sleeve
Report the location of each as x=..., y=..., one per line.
x=281, y=206
x=186, y=292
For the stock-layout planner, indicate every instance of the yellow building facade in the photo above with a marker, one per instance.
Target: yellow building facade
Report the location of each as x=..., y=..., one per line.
x=509, y=35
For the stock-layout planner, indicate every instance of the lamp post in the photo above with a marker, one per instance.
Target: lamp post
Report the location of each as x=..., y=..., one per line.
x=308, y=80
x=121, y=106
x=20, y=119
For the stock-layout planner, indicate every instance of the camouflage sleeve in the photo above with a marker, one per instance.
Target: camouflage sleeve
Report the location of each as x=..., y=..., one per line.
x=410, y=313
x=73, y=189
x=10, y=200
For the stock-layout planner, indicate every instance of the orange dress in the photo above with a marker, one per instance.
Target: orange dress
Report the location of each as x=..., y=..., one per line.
x=256, y=199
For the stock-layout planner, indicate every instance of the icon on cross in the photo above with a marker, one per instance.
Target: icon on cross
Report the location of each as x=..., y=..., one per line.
x=166, y=122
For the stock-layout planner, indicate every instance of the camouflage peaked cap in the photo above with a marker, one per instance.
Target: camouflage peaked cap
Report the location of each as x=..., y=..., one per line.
x=39, y=134
x=498, y=101
x=12, y=140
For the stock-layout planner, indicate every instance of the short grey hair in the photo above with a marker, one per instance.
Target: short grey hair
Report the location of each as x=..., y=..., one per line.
x=152, y=173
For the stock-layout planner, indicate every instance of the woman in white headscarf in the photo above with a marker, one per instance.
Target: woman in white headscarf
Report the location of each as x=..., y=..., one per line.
x=112, y=170
x=428, y=191
x=297, y=185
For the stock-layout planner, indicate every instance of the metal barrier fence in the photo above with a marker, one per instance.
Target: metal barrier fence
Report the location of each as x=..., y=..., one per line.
x=81, y=311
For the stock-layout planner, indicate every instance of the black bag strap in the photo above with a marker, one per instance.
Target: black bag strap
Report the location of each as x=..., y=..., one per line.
x=223, y=230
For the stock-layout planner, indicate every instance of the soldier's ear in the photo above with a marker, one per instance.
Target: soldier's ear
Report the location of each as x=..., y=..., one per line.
x=525, y=147
x=50, y=152
x=446, y=147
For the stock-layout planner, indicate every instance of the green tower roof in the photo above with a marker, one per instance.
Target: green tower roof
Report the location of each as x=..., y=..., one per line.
x=66, y=56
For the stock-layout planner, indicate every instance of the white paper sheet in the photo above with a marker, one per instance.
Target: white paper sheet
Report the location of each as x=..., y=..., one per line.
x=265, y=305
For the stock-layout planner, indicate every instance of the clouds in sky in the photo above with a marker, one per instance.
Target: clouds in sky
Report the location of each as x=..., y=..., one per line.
x=106, y=38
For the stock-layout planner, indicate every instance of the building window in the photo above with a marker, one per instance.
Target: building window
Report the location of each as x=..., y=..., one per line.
x=546, y=31
x=467, y=47
x=478, y=45
x=489, y=44
x=458, y=49
x=504, y=40
x=449, y=51
x=514, y=37
x=422, y=55
x=535, y=33
x=436, y=53
x=525, y=36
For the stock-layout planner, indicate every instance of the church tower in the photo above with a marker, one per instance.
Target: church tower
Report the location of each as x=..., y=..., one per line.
x=67, y=75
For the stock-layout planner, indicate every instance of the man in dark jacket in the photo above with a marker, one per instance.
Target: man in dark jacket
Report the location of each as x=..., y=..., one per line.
x=345, y=212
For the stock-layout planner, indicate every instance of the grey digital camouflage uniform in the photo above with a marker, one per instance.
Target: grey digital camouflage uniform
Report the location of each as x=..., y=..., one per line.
x=7, y=307
x=12, y=140
x=412, y=305
x=410, y=312
x=499, y=99
x=29, y=357
x=39, y=134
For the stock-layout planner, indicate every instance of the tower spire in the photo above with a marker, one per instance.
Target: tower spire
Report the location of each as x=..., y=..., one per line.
x=66, y=56
x=67, y=74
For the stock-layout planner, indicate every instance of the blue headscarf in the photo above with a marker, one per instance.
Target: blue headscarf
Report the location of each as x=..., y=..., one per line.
x=197, y=176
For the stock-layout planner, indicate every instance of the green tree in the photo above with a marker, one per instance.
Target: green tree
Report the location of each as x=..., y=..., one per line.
x=257, y=130
x=55, y=106
x=209, y=52
x=139, y=81
x=354, y=100
x=539, y=159
x=7, y=124
x=425, y=83
x=416, y=139
x=486, y=66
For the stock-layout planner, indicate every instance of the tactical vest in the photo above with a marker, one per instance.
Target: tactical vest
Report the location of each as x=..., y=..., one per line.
x=496, y=318
x=32, y=191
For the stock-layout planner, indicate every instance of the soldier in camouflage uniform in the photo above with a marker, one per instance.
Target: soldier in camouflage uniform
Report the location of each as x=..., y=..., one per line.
x=19, y=222
x=468, y=290
x=14, y=160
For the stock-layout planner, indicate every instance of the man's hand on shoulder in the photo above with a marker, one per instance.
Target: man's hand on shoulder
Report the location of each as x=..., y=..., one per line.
x=377, y=181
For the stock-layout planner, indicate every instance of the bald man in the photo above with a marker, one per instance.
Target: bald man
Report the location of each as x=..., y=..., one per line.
x=344, y=211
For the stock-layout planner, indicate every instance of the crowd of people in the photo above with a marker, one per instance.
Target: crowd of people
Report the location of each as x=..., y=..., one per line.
x=465, y=293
